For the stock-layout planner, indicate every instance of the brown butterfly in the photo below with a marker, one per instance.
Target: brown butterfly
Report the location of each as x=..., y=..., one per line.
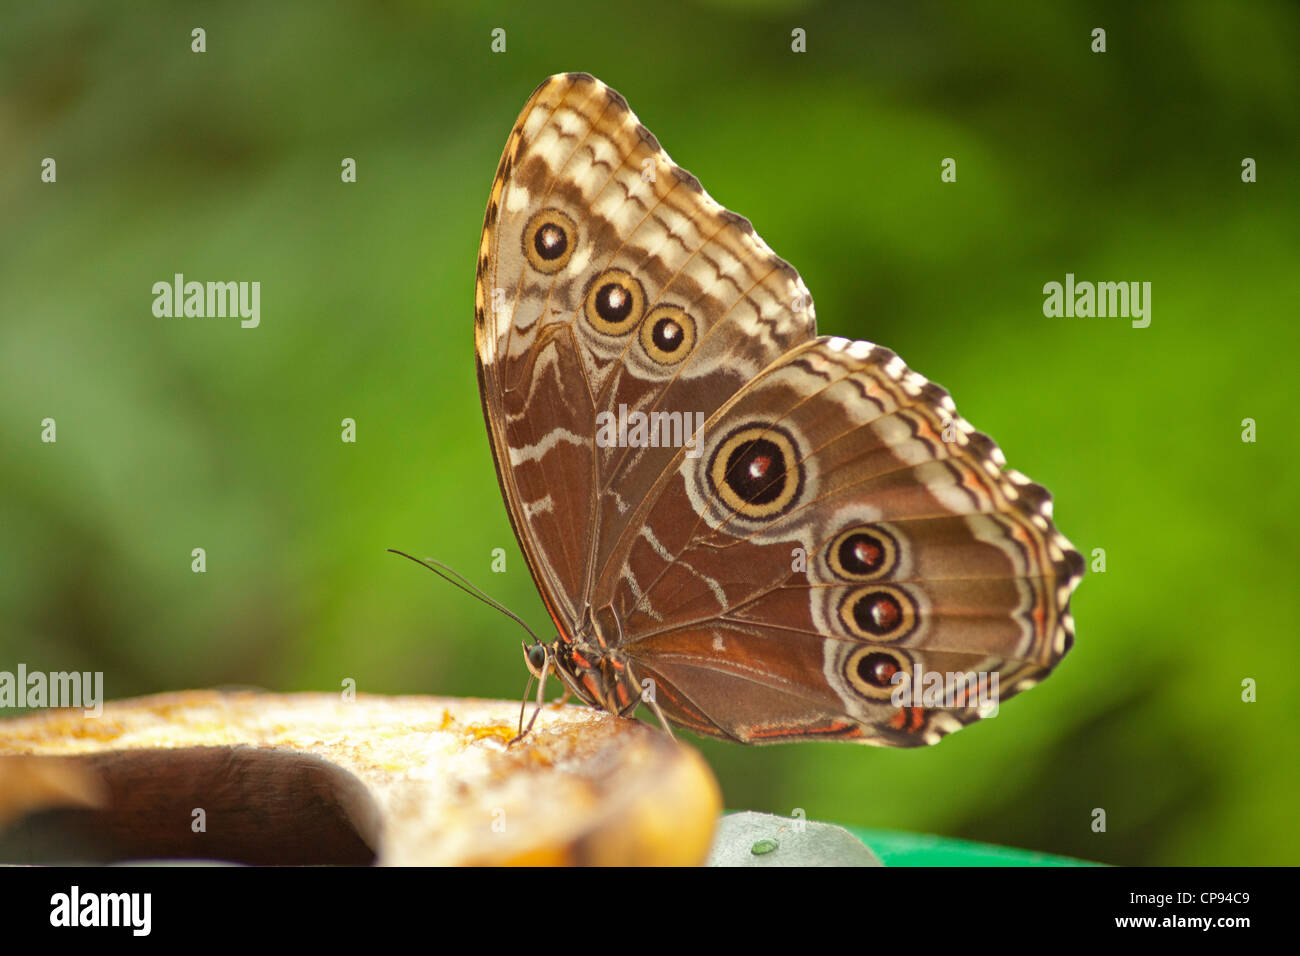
x=764, y=534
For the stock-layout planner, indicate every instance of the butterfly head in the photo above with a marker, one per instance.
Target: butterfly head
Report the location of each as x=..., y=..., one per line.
x=535, y=656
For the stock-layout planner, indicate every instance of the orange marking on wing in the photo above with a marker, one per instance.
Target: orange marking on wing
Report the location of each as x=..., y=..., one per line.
x=908, y=719
x=970, y=479
x=555, y=619
x=834, y=727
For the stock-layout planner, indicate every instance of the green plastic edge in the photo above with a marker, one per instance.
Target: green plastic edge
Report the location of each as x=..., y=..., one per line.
x=898, y=848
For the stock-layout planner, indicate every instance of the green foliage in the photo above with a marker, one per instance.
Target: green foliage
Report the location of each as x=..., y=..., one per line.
x=182, y=433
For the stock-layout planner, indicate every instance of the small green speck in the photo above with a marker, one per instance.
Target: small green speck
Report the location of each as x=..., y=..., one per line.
x=763, y=847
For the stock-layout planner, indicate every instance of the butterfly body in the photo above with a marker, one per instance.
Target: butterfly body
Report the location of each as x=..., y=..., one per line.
x=596, y=672
x=759, y=531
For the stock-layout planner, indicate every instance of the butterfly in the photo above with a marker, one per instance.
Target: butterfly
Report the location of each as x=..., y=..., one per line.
x=762, y=533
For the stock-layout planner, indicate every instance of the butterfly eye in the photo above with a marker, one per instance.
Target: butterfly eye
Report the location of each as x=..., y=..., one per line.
x=536, y=657
x=756, y=471
x=668, y=334
x=878, y=613
x=615, y=302
x=549, y=239
x=862, y=553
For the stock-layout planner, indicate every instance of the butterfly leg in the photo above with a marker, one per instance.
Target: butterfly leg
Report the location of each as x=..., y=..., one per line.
x=663, y=721
x=523, y=705
x=541, y=692
x=640, y=699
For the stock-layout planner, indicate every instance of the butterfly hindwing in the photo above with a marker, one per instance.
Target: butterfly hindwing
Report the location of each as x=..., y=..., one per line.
x=880, y=536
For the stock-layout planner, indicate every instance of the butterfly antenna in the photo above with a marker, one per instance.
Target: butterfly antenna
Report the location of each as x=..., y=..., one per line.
x=460, y=581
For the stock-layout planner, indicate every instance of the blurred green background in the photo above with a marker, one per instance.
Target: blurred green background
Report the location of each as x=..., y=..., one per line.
x=183, y=433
